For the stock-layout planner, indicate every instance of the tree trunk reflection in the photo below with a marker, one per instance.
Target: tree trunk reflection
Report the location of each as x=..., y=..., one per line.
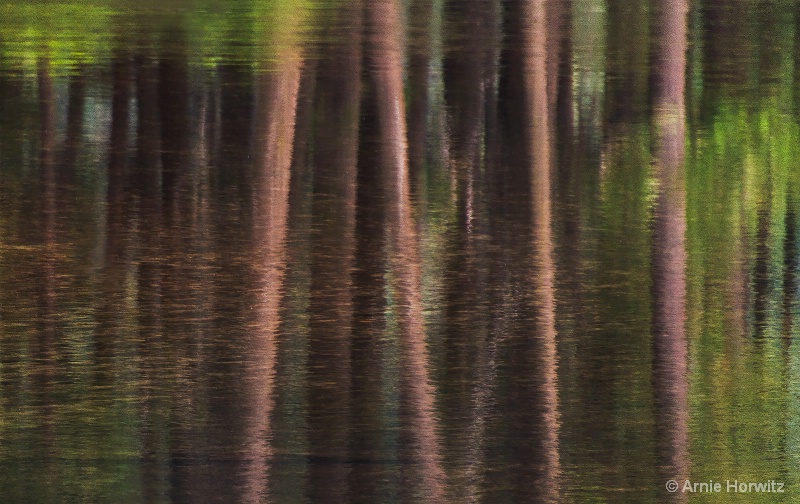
x=538, y=81
x=173, y=103
x=75, y=117
x=275, y=122
x=670, y=380
x=417, y=417
x=43, y=346
x=332, y=252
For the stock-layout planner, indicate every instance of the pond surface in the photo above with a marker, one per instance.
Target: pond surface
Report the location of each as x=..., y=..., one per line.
x=379, y=251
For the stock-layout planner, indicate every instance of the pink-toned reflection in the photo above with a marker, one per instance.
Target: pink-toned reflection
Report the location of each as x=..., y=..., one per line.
x=539, y=50
x=670, y=379
x=419, y=422
x=275, y=122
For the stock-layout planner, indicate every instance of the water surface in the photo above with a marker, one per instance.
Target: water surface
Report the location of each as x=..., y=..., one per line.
x=382, y=251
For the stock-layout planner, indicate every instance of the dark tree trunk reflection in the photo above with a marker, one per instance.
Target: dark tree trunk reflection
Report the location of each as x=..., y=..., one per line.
x=173, y=103
x=528, y=438
x=46, y=339
x=75, y=118
x=146, y=186
x=419, y=74
x=369, y=321
x=236, y=122
x=146, y=172
x=116, y=217
x=118, y=149
x=790, y=271
x=332, y=252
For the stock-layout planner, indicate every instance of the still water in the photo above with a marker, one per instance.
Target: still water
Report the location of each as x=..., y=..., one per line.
x=390, y=251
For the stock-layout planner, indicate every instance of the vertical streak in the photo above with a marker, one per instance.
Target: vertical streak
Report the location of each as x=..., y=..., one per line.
x=275, y=123
x=466, y=373
x=114, y=271
x=417, y=394
x=173, y=103
x=421, y=48
x=465, y=90
x=75, y=118
x=538, y=49
x=44, y=355
x=148, y=142
x=332, y=248
x=670, y=380
x=150, y=291
x=118, y=148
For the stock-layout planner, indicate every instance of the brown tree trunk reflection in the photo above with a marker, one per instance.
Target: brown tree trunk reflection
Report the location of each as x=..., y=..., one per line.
x=527, y=438
x=302, y=152
x=145, y=173
x=418, y=420
x=116, y=213
x=145, y=177
x=236, y=103
x=118, y=149
x=466, y=81
x=420, y=54
x=369, y=320
x=539, y=84
x=332, y=252
x=670, y=381
x=173, y=103
x=75, y=106
x=277, y=88
x=44, y=346
x=152, y=341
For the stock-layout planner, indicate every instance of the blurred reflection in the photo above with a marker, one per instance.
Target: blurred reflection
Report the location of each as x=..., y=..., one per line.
x=527, y=359
x=75, y=117
x=589, y=33
x=370, y=480
x=332, y=251
x=275, y=122
x=44, y=356
x=173, y=104
x=115, y=258
x=388, y=251
x=420, y=57
x=146, y=171
x=119, y=136
x=423, y=479
x=670, y=352
x=237, y=108
x=148, y=234
x=543, y=268
x=467, y=373
x=465, y=74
